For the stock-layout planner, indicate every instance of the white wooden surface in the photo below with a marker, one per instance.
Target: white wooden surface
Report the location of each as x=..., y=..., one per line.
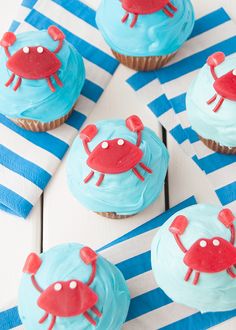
x=63, y=218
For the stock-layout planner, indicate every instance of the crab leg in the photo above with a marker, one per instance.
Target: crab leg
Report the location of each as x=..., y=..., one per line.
x=138, y=175
x=167, y=12
x=100, y=180
x=8, y=83
x=52, y=323
x=196, y=278
x=124, y=19
x=231, y=273
x=134, y=20
x=147, y=169
x=89, y=318
x=89, y=177
x=18, y=83
x=96, y=311
x=57, y=79
x=219, y=104
x=50, y=84
x=212, y=99
x=188, y=274
x=171, y=6
x=43, y=319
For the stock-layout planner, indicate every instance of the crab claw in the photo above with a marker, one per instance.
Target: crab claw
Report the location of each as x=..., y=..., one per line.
x=179, y=225
x=88, y=133
x=88, y=255
x=134, y=123
x=8, y=39
x=32, y=264
x=55, y=33
x=226, y=217
x=216, y=59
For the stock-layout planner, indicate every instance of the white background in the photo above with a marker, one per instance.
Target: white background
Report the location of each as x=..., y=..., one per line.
x=58, y=217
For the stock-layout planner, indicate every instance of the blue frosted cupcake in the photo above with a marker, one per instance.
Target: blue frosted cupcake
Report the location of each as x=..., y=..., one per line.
x=145, y=35
x=41, y=78
x=211, y=104
x=117, y=168
x=194, y=257
x=71, y=287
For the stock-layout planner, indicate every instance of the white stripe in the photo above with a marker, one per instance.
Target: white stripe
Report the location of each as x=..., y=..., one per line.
x=65, y=133
x=25, y=27
x=224, y=175
x=141, y=284
x=84, y=105
x=72, y=23
x=151, y=91
x=96, y=74
x=29, y=151
x=17, y=183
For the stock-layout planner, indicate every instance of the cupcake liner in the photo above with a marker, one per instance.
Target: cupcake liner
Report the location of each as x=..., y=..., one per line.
x=37, y=126
x=114, y=215
x=215, y=146
x=144, y=63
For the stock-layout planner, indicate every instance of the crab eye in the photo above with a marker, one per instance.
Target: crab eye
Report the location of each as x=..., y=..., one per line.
x=26, y=50
x=216, y=242
x=234, y=72
x=40, y=50
x=105, y=145
x=203, y=243
x=73, y=285
x=57, y=287
x=120, y=142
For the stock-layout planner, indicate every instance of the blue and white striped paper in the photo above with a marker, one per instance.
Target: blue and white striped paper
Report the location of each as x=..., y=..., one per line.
x=28, y=160
x=164, y=92
x=150, y=308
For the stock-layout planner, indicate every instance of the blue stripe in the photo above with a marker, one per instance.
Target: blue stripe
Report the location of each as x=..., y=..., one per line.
x=13, y=203
x=160, y=105
x=209, y=22
x=148, y=302
x=179, y=103
x=14, y=25
x=79, y=9
x=215, y=162
x=195, y=61
x=135, y=266
x=9, y=319
x=179, y=134
x=192, y=135
x=200, y=321
x=91, y=90
x=76, y=119
x=87, y=50
x=23, y=167
x=45, y=141
x=141, y=79
x=153, y=223
x=227, y=194
x=29, y=3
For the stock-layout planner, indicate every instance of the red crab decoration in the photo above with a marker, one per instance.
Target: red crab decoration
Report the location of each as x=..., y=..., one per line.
x=66, y=298
x=224, y=86
x=144, y=7
x=207, y=255
x=33, y=62
x=114, y=156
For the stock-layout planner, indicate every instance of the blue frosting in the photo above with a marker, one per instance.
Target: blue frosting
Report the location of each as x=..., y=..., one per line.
x=121, y=193
x=214, y=292
x=219, y=126
x=153, y=35
x=34, y=100
x=62, y=263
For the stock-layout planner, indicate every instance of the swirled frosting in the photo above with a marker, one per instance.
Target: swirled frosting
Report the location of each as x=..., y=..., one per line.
x=34, y=99
x=122, y=193
x=62, y=263
x=153, y=35
x=218, y=126
x=215, y=291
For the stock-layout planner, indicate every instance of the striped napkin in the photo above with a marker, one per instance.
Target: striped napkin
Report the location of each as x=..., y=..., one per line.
x=164, y=92
x=28, y=160
x=150, y=308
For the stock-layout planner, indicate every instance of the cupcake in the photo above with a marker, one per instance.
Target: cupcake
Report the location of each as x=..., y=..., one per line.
x=145, y=35
x=117, y=168
x=211, y=104
x=194, y=257
x=41, y=78
x=70, y=287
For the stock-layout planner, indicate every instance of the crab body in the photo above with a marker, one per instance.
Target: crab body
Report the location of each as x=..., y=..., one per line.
x=33, y=63
x=114, y=156
x=144, y=7
x=224, y=86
